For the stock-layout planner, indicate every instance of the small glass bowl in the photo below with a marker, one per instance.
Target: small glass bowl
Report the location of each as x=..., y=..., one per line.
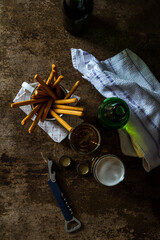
x=85, y=138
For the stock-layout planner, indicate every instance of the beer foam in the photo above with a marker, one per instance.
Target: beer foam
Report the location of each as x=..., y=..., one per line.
x=109, y=170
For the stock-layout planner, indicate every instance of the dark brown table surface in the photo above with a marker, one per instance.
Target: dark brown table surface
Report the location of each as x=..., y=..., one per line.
x=32, y=39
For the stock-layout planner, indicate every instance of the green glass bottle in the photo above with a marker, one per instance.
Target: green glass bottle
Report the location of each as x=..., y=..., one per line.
x=113, y=113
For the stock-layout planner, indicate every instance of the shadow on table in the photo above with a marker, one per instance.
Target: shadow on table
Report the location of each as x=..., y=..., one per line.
x=140, y=34
x=153, y=180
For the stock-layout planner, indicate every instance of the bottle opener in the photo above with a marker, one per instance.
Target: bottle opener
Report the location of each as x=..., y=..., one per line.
x=62, y=202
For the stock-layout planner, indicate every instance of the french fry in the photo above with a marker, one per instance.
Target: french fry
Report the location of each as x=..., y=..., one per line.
x=35, y=122
x=39, y=86
x=51, y=77
x=46, y=110
x=30, y=115
x=61, y=121
x=39, y=94
x=69, y=112
x=27, y=102
x=58, y=106
x=58, y=89
x=73, y=89
x=59, y=79
x=36, y=92
x=54, y=68
x=66, y=101
x=45, y=86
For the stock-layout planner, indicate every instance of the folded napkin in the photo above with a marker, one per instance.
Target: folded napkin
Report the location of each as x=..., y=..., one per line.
x=126, y=76
x=56, y=131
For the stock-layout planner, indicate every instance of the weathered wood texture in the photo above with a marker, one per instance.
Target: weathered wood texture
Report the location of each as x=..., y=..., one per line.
x=32, y=39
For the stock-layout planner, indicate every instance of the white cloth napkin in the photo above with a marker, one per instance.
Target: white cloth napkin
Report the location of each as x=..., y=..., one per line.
x=126, y=76
x=51, y=127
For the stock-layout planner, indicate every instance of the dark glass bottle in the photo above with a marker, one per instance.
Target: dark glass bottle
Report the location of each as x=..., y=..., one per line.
x=76, y=15
x=113, y=113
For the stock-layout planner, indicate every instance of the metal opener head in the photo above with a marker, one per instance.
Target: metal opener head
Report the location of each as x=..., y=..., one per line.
x=52, y=174
x=72, y=229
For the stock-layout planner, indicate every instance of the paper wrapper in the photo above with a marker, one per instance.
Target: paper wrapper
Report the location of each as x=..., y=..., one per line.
x=51, y=127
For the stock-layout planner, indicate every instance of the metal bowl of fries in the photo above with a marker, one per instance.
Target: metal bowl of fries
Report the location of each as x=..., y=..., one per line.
x=50, y=101
x=49, y=116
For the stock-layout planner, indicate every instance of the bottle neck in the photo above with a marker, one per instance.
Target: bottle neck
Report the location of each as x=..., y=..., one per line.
x=75, y=4
x=120, y=111
x=113, y=113
x=76, y=9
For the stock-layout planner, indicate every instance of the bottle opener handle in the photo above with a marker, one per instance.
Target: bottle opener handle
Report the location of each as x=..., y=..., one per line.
x=63, y=205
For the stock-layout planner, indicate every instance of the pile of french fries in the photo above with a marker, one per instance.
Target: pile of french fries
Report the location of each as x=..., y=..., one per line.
x=48, y=99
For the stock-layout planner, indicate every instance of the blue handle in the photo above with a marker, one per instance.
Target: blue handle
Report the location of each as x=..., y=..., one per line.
x=59, y=198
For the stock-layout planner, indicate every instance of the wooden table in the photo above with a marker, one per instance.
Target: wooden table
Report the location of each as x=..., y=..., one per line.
x=32, y=39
